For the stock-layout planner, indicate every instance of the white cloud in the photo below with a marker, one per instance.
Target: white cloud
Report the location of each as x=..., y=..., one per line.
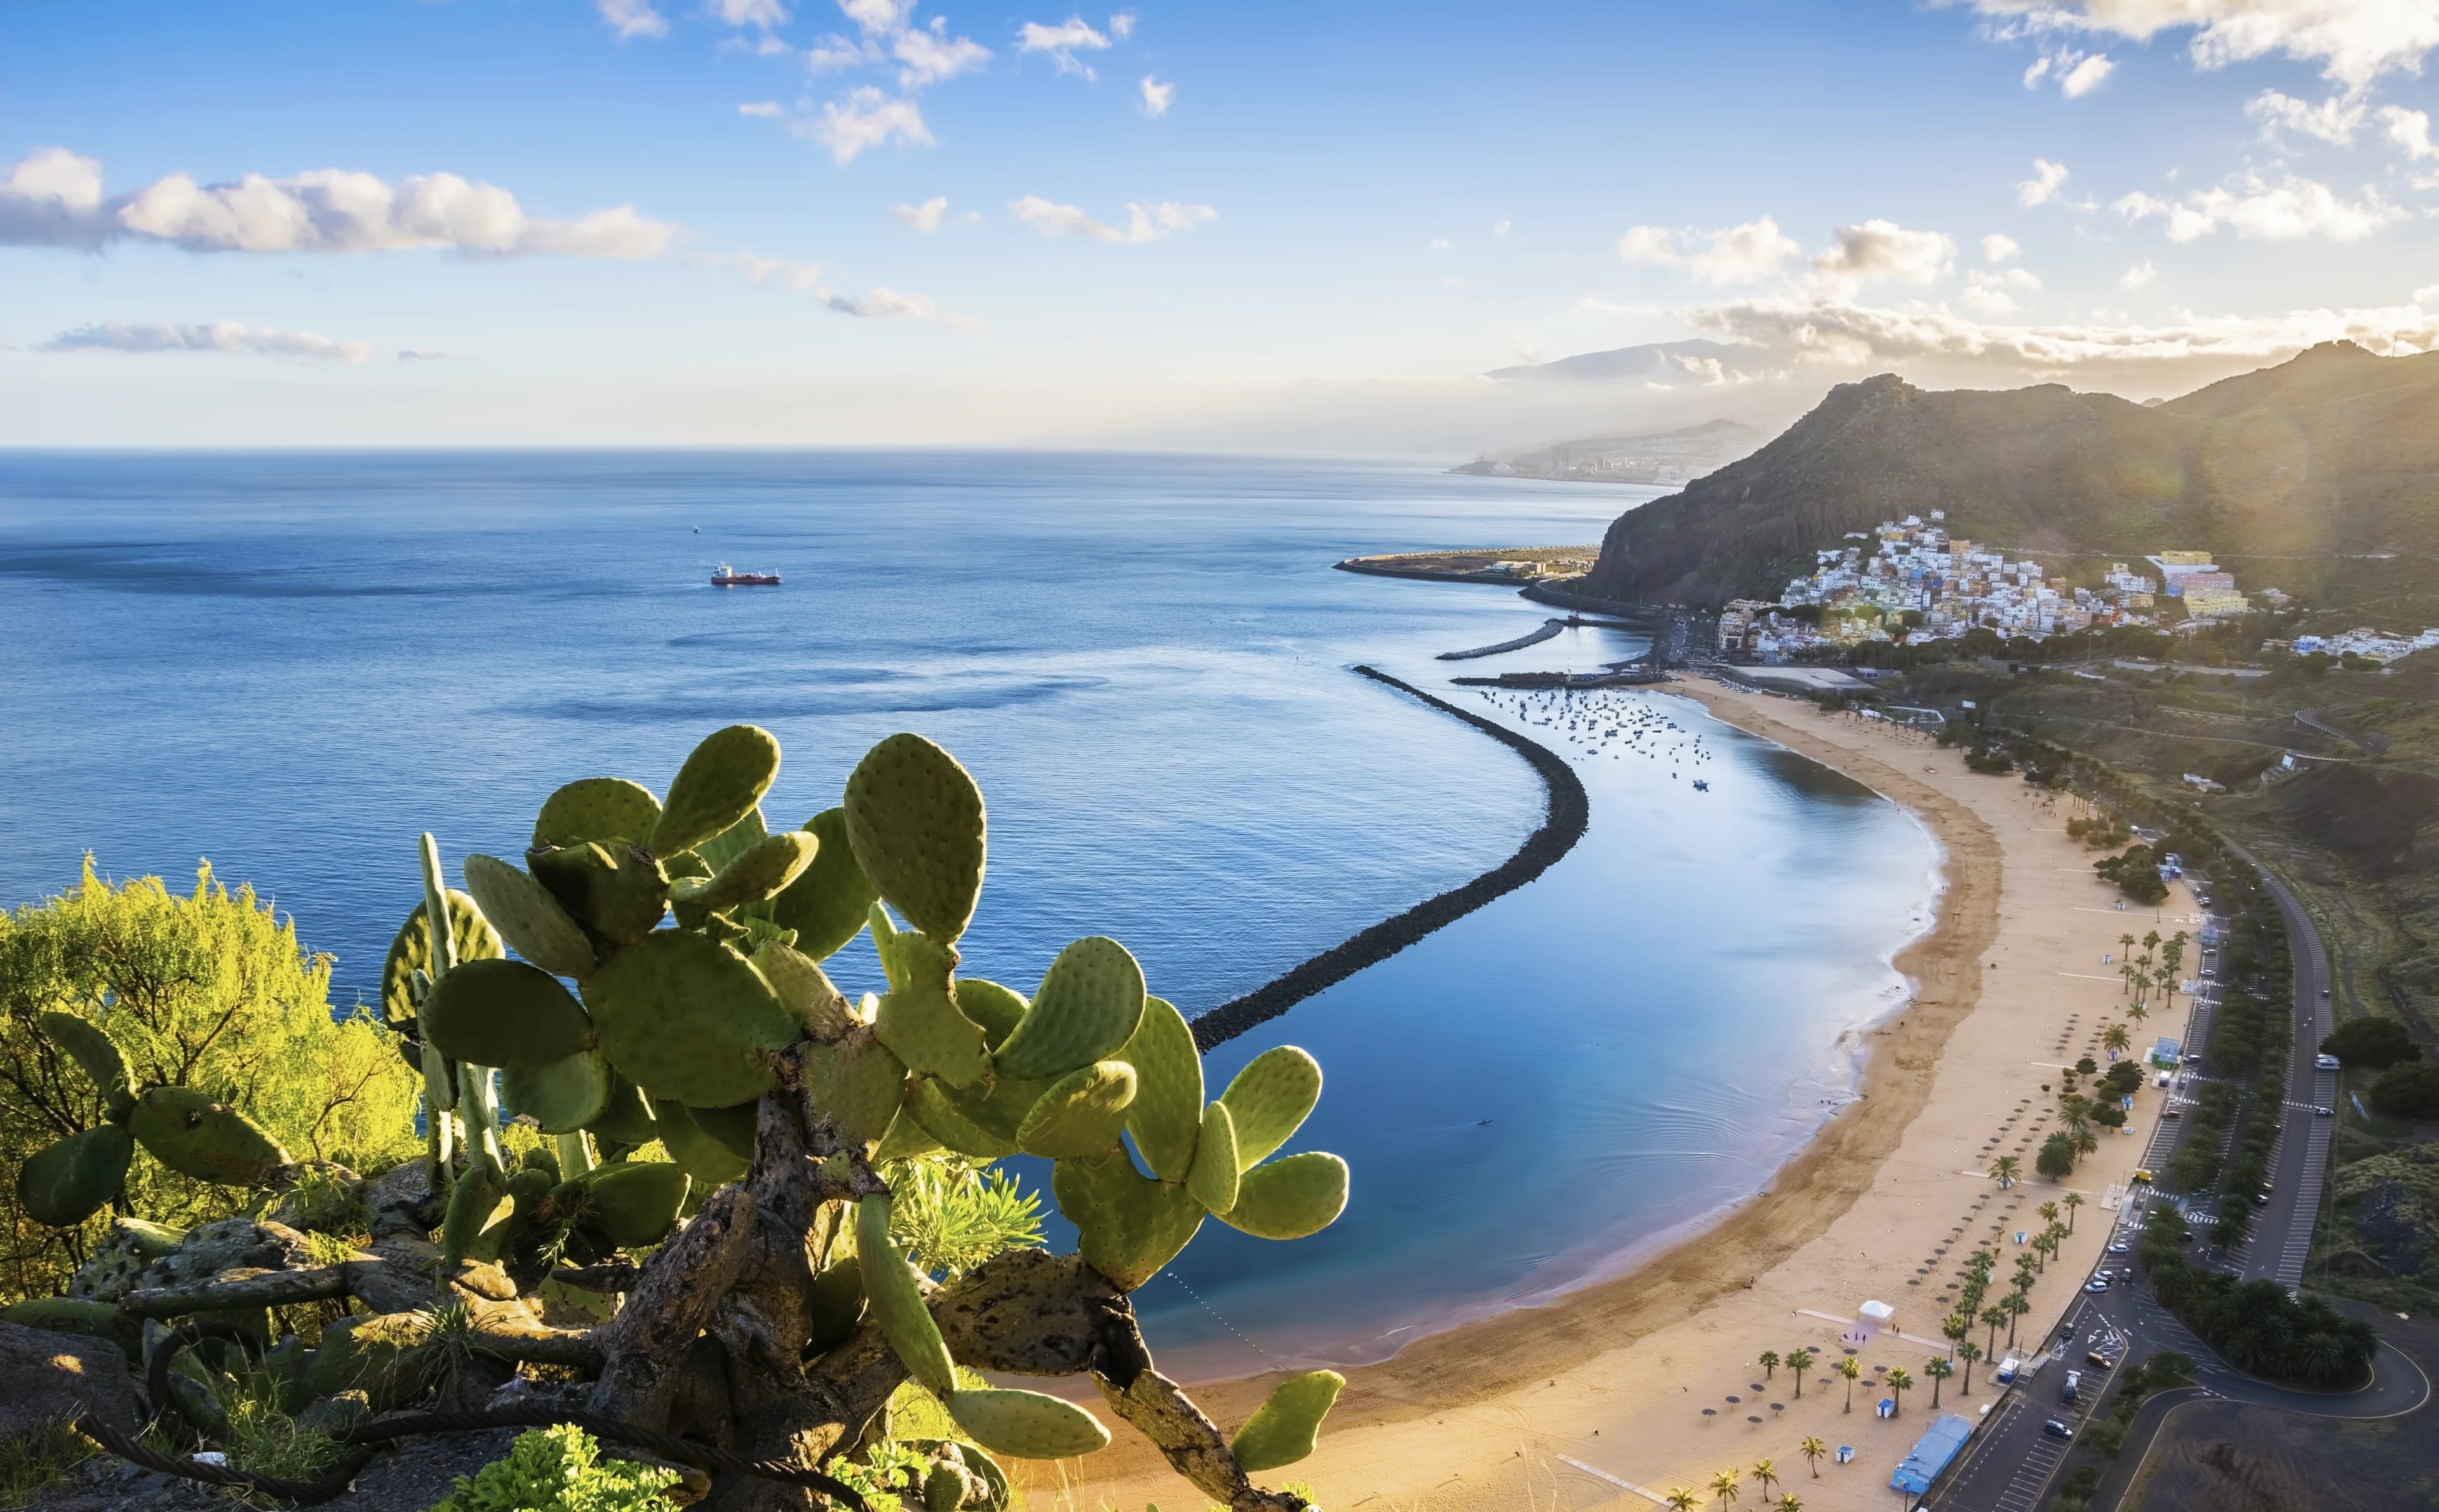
x=867, y=118
x=879, y=17
x=933, y=54
x=425, y=354
x=1061, y=41
x=2137, y=278
x=1502, y=229
x=1441, y=243
x=2086, y=76
x=883, y=301
x=806, y=277
x=763, y=13
x=835, y=52
x=765, y=273
x=632, y=18
x=2036, y=71
x=924, y=217
x=2044, y=186
x=53, y=197
x=2410, y=131
x=1999, y=248
x=219, y=336
x=1122, y=26
x=762, y=109
x=2354, y=41
x=2261, y=211
x=1994, y=293
x=1144, y=223
x=1157, y=97
x=1843, y=334
x=1740, y=253
x=1882, y=249
x=2332, y=120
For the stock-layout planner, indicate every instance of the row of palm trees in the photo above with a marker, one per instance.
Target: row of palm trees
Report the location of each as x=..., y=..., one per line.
x=1726, y=1489
x=2142, y=977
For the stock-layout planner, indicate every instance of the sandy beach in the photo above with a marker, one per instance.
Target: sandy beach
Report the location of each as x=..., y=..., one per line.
x=1597, y=1400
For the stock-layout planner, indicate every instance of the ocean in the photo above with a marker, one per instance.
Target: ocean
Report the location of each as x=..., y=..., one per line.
x=292, y=664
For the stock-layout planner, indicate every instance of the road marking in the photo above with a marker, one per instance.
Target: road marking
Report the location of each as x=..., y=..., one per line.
x=1594, y=1469
x=2086, y=976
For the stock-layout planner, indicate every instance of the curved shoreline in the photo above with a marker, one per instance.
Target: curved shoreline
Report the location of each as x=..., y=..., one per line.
x=1567, y=814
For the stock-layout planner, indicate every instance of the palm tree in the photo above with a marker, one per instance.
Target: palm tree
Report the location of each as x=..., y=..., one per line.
x=2017, y=1305
x=1899, y=1383
x=2137, y=1012
x=1954, y=1327
x=1938, y=1370
x=1768, y=1364
x=1788, y=1502
x=1993, y=1315
x=1852, y=1369
x=2116, y=1039
x=2073, y=1201
x=1763, y=1473
x=1812, y=1449
x=1968, y=1352
x=1681, y=1499
x=2086, y=1142
x=1798, y=1362
x=1724, y=1487
x=2004, y=1170
x=2048, y=1212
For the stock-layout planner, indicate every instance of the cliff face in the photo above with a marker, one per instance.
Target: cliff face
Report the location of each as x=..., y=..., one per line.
x=2330, y=455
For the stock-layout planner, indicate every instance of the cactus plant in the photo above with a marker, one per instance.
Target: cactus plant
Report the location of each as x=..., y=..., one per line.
x=702, y=1019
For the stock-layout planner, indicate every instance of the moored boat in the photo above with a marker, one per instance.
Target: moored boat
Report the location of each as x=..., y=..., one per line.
x=725, y=577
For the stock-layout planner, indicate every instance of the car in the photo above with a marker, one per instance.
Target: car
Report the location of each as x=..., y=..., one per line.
x=2261, y=1199
x=2056, y=1430
x=2172, y=1112
x=2327, y=1063
x=2324, y=1112
x=2325, y=992
x=2099, y=1361
x=2073, y=1388
x=2097, y=1284
x=2121, y=1247
x=2210, y=973
x=2141, y=1175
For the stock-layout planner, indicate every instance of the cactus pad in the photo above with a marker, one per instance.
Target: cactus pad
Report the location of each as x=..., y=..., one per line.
x=97, y=1055
x=1167, y=1115
x=1282, y=1430
x=1269, y=1099
x=708, y=1161
x=916, y=820
x=686, y=1017
x=1129, y=1224
x=906, y=1140
x=597, y=808
x=410, y=952
x=617, y=890
x=825, y=905
x=804, y=991
x=634, y=1202
x=919, y=1018
x=626, y=1114
x=477, y=1206
x=1027, y=1425
x=562, y=1095
x=528, y=917
x=505, y=1013
x=720, y=784
x=997, y=1106
x=1091, y=1004
x=1289, y=1199
x=996, y=1008
x=929, y=1104
x=1081, y=1113
x=897, y=1301
x=187, y=1132
x=1213, y=1179
x=858, y=1082
x=65, y=1183
x=837, y=1305
x=759, y=872
x=734, y=840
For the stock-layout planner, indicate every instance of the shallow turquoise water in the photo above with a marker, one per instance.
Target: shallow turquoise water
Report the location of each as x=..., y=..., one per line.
x=292, y=664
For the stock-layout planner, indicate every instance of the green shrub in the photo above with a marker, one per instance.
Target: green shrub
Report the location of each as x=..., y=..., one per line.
x=558, y=1470
x=2409, y=1090
x=2371, y=1044
x=209, y=991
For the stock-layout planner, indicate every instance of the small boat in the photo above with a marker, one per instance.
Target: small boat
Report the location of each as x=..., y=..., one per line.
x=1700, y=786
x=724, y=577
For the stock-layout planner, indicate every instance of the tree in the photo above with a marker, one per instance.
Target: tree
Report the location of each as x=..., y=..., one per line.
x=1798, y=1362
x=2056, y=1158
x=1852, y=1369
x=1789, y=1502
x=2125, y=957
x=1955, y=1326
x=1724, y=1489
x=1762, y=1475
x=2116, y=1039
x=2371, y=1044
x=209, y=991
x=2137, y=1012
x=2409, y=1089
x=1994, y=1315
x=2004, y=1170
x=2074, y=1200
x=2049, y=1212
x=1898, y=1384
x=1968, y=1352
x=1768, y=1364
x=1681, y=1500
x=1938, y=1369
x=1812, y=1449
x=2016, y=1305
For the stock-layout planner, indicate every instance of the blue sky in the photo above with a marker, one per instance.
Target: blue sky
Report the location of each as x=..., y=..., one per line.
x=781, y=221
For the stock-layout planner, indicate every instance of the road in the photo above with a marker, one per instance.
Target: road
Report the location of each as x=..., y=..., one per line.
x=2280, y=1239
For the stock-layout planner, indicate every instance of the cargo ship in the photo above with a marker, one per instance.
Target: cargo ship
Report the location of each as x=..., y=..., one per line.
x=724, y=577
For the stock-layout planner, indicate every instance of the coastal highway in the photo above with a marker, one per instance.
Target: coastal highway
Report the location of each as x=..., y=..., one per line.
x=2280, y=1239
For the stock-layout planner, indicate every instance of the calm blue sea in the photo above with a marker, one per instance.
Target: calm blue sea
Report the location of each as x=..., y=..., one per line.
x=292, y=664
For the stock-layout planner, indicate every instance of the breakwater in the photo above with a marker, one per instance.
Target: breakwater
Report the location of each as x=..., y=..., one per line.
x=1564, y=819
x=1549, y=627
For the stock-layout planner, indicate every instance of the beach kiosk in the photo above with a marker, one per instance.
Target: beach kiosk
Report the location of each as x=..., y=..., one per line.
x=1932, y=1454
x=2164, y=1054
x=1869, y=1319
